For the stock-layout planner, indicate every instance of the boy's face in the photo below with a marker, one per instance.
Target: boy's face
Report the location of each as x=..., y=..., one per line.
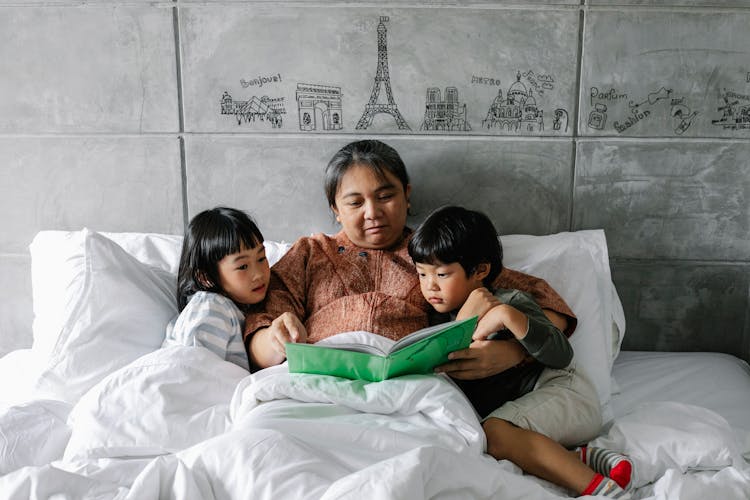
x=446, y=286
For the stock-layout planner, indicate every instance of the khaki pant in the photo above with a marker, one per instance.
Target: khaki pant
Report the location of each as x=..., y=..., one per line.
x=563, y=406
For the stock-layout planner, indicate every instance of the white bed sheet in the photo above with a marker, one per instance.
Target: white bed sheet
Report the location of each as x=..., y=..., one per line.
x=182, y=423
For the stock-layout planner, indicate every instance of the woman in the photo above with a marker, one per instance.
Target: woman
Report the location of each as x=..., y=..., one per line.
x=362, y=278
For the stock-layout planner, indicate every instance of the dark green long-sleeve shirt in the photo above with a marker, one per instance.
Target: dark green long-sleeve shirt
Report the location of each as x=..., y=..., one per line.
x=546, y=344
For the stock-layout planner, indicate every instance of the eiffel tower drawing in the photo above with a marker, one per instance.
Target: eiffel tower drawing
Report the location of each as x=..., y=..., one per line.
x=382, y=79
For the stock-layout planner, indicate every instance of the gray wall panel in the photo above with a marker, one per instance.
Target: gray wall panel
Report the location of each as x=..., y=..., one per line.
x=107, y=184
x=679, y=74
x=103, y=69
x=16, y=312
x=280, y=181
x=694, y=306
x=270, y=52
x=681, y=200
x=672, y=3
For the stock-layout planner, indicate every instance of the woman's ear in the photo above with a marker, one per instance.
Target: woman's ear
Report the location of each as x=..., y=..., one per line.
x=335, y=213
x=482, y=271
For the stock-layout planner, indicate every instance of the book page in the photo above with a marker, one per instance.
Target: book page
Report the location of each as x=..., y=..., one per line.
x=419, y=335
x=359, y=341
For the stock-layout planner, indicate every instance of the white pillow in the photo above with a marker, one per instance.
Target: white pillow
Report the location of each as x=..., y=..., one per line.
x=112, y=310
x=156, y=250
x=576, y=265
x=659, y=436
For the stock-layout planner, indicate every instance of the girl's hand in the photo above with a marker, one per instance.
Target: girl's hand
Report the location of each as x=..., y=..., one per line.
x=478, y=303
x=482, y=359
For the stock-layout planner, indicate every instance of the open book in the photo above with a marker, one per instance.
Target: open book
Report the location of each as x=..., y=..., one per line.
x=418, y=352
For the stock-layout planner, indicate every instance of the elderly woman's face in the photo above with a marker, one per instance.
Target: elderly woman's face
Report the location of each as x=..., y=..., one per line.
x=372, y=211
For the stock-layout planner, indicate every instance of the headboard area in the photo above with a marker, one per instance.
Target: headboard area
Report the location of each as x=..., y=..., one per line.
x=549, y=116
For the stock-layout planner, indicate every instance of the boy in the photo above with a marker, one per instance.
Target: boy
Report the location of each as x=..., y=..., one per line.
x=534, y=409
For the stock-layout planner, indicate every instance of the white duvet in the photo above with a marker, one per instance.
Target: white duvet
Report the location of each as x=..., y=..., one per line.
x=181, y=423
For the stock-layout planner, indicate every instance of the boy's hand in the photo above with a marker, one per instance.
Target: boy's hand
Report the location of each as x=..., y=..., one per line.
x=499, y=318
x=478, y=303
x=482, y=359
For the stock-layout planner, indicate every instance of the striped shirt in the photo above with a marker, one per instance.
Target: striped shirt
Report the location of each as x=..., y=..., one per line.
x=213, y=321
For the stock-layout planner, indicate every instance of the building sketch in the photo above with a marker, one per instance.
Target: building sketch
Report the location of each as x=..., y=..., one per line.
x=560, y=121
x=516, y=112
x=734, y=115
x=448, y=114
x=382, y=82
x=319, y=106
x=264, y=109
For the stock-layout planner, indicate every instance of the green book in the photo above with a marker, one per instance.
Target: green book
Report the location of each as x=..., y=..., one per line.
x=418, y=352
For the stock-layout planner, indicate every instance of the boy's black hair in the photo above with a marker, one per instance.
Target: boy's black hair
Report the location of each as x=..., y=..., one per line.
x=455, y=234
x=377, y=155
x=212, y=235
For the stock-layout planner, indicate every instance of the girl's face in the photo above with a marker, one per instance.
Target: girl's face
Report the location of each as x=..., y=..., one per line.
x=371, y=211
x=244, y=275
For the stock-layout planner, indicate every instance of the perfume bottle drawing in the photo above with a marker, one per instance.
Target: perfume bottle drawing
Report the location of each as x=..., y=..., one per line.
x=598, y=117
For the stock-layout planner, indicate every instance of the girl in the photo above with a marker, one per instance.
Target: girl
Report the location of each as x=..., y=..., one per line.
x=223, y=271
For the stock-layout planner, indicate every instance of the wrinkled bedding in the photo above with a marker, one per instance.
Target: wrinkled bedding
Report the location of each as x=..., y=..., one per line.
x=181, y=423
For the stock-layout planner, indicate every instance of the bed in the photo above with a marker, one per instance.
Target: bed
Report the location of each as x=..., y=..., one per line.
x=97, y=409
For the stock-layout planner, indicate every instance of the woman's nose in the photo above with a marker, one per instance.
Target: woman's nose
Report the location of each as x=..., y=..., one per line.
x=371, y=210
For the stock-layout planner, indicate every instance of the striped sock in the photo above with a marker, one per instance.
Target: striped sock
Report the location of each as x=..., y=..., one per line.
x=615, y=466
x=605, y=487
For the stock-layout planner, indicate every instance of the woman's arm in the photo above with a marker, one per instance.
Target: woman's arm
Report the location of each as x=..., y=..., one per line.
x=557, y=319
x=267, y=344
x=282, y=314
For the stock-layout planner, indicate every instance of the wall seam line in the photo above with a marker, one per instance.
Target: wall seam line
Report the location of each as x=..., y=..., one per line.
x=180, y=113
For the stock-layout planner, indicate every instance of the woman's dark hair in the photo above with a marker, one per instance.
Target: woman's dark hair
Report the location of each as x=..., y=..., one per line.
x=455, y=234
x=212, y=235
x=377, y=155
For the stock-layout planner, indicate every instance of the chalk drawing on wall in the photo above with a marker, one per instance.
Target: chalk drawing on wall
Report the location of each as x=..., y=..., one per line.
x=540, y=83
x=444, y=114
x=560, y=118
x=735, y=115
x=598, y=116
x=605, y=101
x=319, y=107
x=682, y=116
x=255, y=109
x=516, y=112
x=382, y=82
x=600, y=100
x=642, y=110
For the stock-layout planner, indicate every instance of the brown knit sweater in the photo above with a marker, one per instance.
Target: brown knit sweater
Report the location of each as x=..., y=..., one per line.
x=334, y=286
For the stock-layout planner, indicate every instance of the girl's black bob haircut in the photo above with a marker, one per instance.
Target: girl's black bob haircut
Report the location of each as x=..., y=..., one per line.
x=212, y=235
x=454, y=234
x=377, y=155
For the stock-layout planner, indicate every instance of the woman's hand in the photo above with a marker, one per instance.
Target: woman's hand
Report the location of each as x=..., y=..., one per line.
x=477, y=303
x=482, y=359
x=267, y=345
x=287, y=328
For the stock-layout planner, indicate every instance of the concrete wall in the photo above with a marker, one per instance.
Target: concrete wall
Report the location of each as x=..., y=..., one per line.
x=552, y=116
